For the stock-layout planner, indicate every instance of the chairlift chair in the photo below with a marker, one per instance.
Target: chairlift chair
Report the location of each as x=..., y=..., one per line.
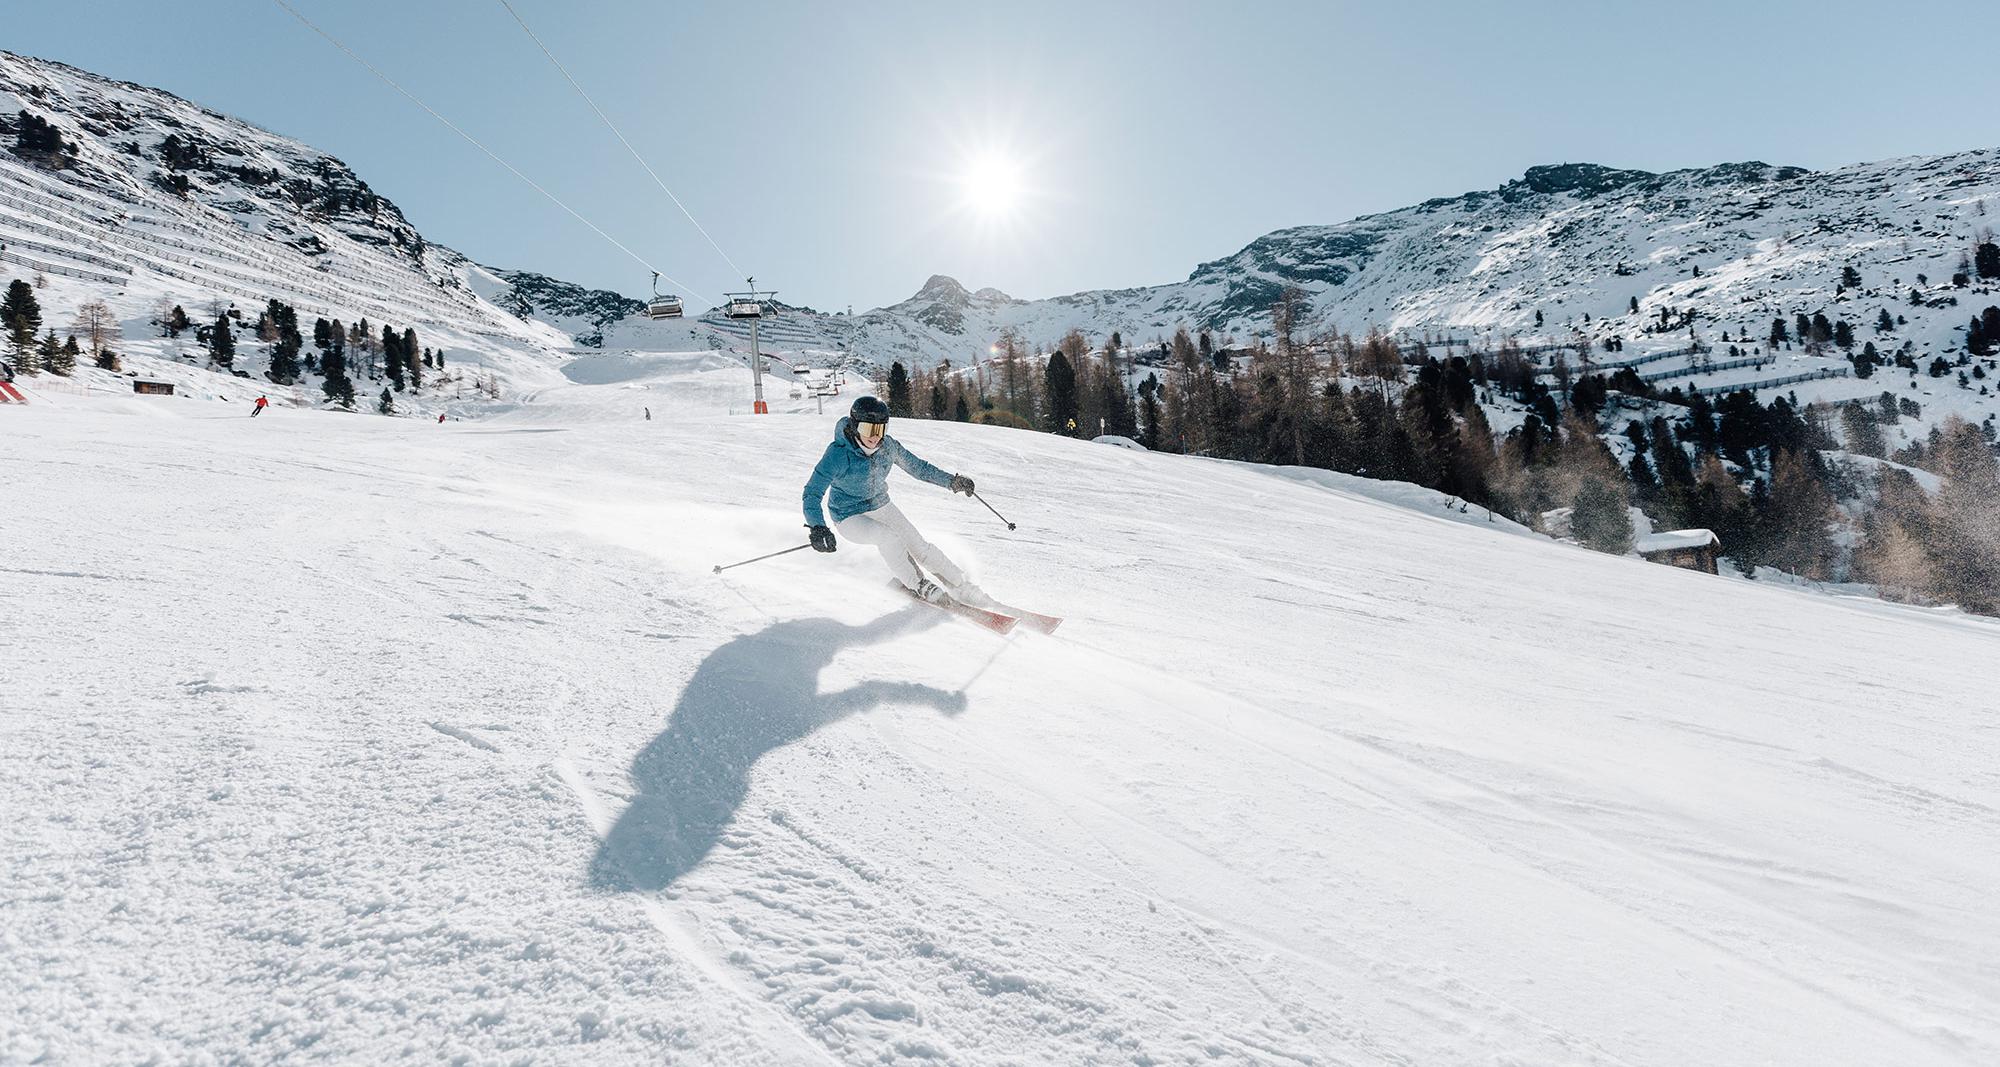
x=744, y=308
x=662, y=307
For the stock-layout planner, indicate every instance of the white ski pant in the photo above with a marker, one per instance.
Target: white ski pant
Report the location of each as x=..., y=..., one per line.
x=902, y=547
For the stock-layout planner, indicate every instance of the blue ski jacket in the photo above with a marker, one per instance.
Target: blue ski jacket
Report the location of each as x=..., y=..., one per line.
x=860, y=482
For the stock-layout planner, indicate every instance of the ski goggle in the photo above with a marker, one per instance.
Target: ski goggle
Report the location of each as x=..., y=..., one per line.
x=870, y=432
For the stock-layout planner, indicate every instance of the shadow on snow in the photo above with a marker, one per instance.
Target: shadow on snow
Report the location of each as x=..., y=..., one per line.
x=754, y=694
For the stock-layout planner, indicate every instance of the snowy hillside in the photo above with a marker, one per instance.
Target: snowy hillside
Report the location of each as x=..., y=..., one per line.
x=156, y=202
x=376, y=758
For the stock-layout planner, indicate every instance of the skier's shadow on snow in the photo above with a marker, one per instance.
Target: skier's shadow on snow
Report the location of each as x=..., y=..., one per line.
x=755, y=694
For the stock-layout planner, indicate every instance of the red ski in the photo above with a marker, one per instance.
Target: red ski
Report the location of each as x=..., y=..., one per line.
x=1045, y=623
x=992, y=620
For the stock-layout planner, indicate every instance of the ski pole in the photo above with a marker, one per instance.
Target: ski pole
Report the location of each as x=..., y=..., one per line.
x=994, y=510
x=719, y=568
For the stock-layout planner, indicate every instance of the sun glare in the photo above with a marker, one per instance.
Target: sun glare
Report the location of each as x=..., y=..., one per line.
x=992, y=185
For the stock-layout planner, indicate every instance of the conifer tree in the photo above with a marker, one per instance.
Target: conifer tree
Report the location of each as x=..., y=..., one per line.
x=387, y=404
x=1641, y=474
x=961, y=412
x=1862, y=432
x=336, y=384
x=411, y=362
x=222, y=343
x=1675, y=472
x=21, y=315
x=1149, y=412
x=899, y=391
x=1059, y=393
x=1478, y=461
x=1720, y=505
x=50, y=353
x=1986, y=260
x=285, y=357
x=392, y=356
x=1115, y=399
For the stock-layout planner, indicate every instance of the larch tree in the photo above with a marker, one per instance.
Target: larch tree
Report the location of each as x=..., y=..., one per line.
x=1966, y=517
x=1795, y=527
x=97, y=326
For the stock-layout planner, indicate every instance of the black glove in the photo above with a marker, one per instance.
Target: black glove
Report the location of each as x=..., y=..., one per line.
x=960, y=484
x=822, y=539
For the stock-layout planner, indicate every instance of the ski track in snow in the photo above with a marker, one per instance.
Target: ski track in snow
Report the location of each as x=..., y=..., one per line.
x=363, y=756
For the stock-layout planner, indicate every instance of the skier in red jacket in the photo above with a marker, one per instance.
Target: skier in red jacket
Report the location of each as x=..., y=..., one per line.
x=262, y=403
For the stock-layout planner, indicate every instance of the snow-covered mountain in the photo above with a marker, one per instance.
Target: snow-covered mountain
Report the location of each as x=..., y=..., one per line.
x=154, y=201
x=158, y=198
x=1724, y=249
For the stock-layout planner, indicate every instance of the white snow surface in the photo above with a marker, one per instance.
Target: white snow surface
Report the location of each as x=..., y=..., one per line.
x=339, y=739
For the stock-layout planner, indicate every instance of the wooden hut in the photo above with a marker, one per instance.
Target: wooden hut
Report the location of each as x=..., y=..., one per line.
x=1696, y=550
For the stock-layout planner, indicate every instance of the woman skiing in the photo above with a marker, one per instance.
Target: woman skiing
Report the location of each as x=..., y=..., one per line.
x=855, y=469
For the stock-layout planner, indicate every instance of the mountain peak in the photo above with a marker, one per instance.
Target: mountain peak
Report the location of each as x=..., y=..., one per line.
x=1586, y=179
x=942, y=286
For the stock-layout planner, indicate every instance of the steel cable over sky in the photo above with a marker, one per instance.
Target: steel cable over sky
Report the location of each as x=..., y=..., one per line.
x=553, y=198
x=613, y=127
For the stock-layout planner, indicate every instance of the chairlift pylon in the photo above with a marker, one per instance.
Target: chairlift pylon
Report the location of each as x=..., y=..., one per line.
x=662, y=307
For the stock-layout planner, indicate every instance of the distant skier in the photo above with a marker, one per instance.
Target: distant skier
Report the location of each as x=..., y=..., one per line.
x=855, y=469
x=262, y=403
x=649, y=414
x=440, y=417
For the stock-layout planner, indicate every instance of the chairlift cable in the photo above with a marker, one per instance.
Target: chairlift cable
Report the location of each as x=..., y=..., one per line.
x=391, y=82
x=613, y=127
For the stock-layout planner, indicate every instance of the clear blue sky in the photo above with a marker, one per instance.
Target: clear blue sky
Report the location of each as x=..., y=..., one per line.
x=826, y=146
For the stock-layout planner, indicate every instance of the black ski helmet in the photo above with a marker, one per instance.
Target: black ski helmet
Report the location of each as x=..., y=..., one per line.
x=868, y=409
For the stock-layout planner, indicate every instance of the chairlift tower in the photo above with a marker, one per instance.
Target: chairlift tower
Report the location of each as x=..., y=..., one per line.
x=750, y=306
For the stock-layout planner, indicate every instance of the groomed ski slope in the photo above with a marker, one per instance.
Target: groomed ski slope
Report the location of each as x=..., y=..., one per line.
x=331, y=738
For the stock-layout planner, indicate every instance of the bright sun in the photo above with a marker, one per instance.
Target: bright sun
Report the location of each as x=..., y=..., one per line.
x=992, y=185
